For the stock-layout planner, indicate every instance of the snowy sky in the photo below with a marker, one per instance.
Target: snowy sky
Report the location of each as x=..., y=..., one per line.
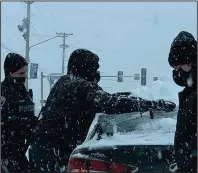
x=126, y=36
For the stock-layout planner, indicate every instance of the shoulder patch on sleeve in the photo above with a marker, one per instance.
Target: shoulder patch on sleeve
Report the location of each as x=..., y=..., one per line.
x=3, y=99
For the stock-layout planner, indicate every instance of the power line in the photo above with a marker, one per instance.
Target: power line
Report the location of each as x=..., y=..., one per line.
x=8, y=24
x=44, y=35
x=49, y=10
x=37, y=17
x=37, y=31
x=11, y=17
x=42, y=22
x=43, y=41
x=10, y=50
x=6, y=48
x=45, y=17
x=33, y=33
x=11, y=38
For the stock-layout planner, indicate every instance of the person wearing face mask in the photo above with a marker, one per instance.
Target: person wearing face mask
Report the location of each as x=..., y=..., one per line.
x=70, y=109
x=17, y=114
x=183, y=58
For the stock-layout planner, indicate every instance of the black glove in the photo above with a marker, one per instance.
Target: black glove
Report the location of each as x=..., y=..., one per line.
x=142, y=105
x=163, y=105
x=166, y=105
x=158, y=104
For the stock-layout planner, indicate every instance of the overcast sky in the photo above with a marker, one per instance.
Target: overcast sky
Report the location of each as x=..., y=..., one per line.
x=126, y=36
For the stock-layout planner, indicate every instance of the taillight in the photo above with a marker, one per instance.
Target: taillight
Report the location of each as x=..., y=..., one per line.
x=85, y=165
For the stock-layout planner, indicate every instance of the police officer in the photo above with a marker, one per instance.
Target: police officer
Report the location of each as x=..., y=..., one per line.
x=17, y=114
x=183, y=58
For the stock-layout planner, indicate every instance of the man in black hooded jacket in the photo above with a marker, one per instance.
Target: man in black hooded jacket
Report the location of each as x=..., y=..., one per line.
x=183, y=58
x=70, y=109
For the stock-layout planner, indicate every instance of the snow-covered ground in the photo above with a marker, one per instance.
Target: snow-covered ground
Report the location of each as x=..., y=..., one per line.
x=154, y=131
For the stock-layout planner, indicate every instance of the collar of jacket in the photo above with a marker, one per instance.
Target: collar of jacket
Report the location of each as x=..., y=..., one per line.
x=16, y=86
x=187, y=92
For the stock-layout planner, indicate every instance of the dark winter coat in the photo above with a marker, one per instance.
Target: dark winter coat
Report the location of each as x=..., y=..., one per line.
x=17, y=120
x=70, y=110
x=186, y=130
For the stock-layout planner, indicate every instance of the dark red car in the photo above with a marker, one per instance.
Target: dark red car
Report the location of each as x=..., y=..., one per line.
x=106, y=150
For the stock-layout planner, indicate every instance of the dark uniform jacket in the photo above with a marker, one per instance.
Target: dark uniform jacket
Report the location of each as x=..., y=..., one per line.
x=17, y=121
x=186, y=130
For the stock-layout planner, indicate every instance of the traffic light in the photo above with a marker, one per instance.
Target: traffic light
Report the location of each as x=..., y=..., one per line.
x=120, y=76
x=143, y=76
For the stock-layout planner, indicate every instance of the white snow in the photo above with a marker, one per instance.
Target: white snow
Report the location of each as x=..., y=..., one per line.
x=190, y=81
x=79, y=155
x=164, y=88
x=155, y=131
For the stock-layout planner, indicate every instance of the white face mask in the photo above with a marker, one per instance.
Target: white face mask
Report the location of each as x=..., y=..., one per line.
x=190, y=82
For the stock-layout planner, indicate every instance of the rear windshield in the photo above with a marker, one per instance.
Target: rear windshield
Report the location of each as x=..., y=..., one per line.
x=136, y=128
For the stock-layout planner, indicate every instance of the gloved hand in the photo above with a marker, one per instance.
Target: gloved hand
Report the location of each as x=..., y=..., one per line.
x=163, y=105
x=158, y=104
x=142, y=104
x=146, y=105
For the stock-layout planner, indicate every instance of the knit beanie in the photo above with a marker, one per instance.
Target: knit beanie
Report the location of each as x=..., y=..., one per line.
x=183, y=49
x=13, y=62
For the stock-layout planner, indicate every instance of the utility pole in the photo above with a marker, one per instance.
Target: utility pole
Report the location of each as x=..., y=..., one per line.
x=26, y=35
x=27, y=38
x=42, y=89
x=63, y=46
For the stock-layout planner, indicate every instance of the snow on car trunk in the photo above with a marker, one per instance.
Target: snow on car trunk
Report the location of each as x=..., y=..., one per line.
x=155, y=132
